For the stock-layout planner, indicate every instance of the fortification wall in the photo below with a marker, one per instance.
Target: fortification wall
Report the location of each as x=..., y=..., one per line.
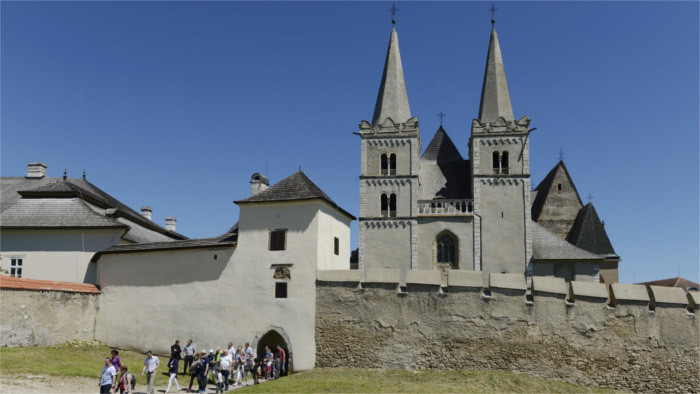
x=38, y=317
x=478, y=322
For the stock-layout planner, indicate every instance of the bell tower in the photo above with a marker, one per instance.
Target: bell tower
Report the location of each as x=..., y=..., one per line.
x=390, y=150
x=500, y=158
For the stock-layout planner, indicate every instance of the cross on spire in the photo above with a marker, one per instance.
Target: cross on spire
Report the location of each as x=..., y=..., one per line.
x=561, y=154
x=590, y=198
x=393, y=10
x=493, y=13
x=441, y=115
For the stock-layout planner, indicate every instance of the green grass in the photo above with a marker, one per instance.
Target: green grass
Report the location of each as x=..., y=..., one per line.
x=427, y=381
x=86, y=359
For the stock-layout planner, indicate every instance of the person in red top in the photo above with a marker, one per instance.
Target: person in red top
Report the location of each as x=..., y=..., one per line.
x=283, y=359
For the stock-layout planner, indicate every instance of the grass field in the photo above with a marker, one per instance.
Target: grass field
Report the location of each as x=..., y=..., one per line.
x=86, y=360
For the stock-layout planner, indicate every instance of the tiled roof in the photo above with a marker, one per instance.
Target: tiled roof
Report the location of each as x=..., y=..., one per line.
x=293, y=188
x=674, y=282
x=15, y=188
x=443, y=173
x=588, y=232
x=55, y=213
x=546, y=185
x=228, y=239
x=548, y=246
x=8, y=282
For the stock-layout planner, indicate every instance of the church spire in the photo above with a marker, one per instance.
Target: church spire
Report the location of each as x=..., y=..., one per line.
x=392, y=100
x=495, y=99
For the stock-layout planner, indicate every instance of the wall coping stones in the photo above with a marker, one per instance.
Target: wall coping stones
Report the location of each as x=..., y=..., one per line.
x=462, y=278
x=424, y=277
x=379, y=275
x=625, y=292
x=508, y=281
x=546, y=284
x=589, y=289
x=339, y=275
x=668, y=295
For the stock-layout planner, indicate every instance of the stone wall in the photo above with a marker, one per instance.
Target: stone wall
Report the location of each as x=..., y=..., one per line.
x=37, y=317
x=558, y=331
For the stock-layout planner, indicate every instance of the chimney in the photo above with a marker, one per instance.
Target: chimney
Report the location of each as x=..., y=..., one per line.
x=170, y=223
x=258, y=183
x=146, y=212
x=36, y=170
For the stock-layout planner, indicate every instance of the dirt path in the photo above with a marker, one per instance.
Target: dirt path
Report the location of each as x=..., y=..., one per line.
x=53, y=384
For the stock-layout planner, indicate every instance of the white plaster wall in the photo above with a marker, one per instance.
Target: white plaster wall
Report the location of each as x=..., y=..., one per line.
x=461, y=227
x=332, y=224
x=230, y=298
x=62, y=255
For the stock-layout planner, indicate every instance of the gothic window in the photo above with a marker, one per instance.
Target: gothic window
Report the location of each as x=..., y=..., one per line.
x=392, y=205
x=392, y=164
x=446, y=251
x=384, y=164
x=504, y=162
x=496, y=163
x=385, y=205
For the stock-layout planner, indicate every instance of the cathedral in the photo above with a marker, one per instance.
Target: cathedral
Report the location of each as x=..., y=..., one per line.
x=440, y=211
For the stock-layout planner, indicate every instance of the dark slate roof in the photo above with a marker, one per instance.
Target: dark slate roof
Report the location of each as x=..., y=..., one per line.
x=674, y=282
x=55, y=213
x=441, y=148
x=293, y=188
x=443, y=172
x=588, y=232
x=228, y=239
x=548, y=246
x=546, y=185
x=15, y=188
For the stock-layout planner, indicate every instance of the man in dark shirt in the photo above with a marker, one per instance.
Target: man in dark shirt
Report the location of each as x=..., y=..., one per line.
x=175, y=350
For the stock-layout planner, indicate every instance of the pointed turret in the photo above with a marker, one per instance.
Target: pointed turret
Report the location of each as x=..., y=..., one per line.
x=495, y=99
x=392, y=101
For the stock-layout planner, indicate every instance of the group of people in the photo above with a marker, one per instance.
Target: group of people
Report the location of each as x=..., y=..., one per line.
x=220, y=366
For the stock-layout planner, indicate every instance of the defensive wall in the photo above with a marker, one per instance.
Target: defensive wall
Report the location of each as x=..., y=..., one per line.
x=43, y=312
x=629, y=337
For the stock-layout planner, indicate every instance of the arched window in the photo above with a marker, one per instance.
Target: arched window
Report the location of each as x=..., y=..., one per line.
x=392, y=164
x=392, y=205
x=384, y=165
x=446, y=251
x=384, y=206
x=496, y=163
x=504, y=162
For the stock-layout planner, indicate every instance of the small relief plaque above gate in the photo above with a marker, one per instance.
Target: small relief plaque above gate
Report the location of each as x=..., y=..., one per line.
x=282, y=273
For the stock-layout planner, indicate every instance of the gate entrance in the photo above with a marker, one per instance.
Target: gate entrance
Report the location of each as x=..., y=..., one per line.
x=273, y=338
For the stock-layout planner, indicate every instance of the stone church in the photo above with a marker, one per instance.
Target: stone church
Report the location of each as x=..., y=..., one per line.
x=439, y=211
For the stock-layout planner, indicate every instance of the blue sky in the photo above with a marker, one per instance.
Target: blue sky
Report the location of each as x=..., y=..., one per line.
x=176, y=104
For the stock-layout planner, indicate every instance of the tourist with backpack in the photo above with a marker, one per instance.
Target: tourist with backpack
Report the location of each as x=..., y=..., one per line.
x=194, y=369
x=127, y=382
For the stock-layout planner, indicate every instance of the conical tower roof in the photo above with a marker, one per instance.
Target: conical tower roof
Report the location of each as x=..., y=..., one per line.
x=495, y=99
x=589, y=233
x=392, y=100
x=441, y=149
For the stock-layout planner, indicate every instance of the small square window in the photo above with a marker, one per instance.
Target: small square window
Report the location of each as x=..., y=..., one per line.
x=281, y=290
x=16, y=267
x=336, y=246
x=278, y=239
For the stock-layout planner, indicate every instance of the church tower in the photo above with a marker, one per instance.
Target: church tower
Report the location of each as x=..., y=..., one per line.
x=500, y=159
x=390, y=149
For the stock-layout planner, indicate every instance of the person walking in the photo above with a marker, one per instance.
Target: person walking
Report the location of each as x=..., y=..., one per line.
x=175, y=350
x=116, y=361
x=172, y=369
x=150, y=364
x=283, y=359
x=190, y=350
x=194, y=370
x=248, y=351
x=108, y=377
x=203, y=369
x=125, y=380
x=225, y=366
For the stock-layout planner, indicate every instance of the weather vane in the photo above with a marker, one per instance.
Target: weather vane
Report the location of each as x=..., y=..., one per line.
x=561, y=154
x=441, y=115
x=393, y=10
x=493, y=13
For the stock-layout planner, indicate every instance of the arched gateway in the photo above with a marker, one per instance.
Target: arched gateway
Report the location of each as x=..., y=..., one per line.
x=273, y=337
